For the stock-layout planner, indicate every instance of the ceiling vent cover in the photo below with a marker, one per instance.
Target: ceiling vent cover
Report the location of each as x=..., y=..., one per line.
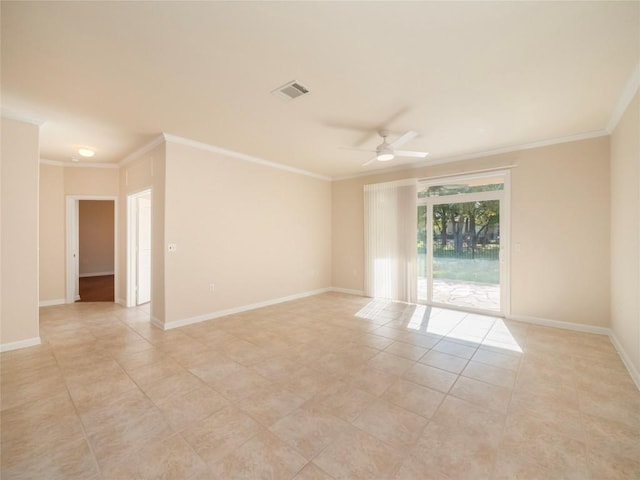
x=291, y=90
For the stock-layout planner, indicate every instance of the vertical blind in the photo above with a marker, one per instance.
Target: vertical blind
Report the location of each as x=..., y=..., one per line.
x=390, y=240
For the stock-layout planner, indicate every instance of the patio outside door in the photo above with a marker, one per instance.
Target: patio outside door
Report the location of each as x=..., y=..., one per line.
x=461, y=260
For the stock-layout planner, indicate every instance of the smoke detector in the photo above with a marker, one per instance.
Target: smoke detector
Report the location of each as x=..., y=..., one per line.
x=291, y=90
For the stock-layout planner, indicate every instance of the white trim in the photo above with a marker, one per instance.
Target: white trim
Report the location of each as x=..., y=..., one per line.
x=504, y=198
x=56, y=163
x=241, y=156
x=628, y=92
x=486, y=153
x=631, y=368
x=158, y=323
x=545, y=322
x=222, y=313
x=21, y=118
x=142, y=150
x=29, y=342
x=120, y=301
x=51, y=303
x=132, y=244
x=95, y=274
x=348, y=291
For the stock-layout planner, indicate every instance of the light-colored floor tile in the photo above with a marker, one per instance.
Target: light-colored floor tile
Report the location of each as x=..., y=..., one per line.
x=312, y=472
x=501, y=377
x=482, y=394
x=462, y=416
x=391, y=424
x=524, y=436
x=509, y=467
x=269, y=405
x=221, y=433
x=406, y=350
x=444, y=361
x=456, y=348
x=454, y=453
x=331, y=386
x=388, y=363
x=415, y=398
x=184, y=410
x=357, y=455
x=265, y=456
x=308, y=431
x=431, y=377
x=342, y=400
x=71, y=460
x=112, y=444
x=497, y=359
x=371, y=380
x=163, y=458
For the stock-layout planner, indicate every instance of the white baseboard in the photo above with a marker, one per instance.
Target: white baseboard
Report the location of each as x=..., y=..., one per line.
x=51, y=303
x=158, y=323
x=578, y=327
x=581, y=327
x=631, y=368
x=95, y=274
x=359, y=293
x=183, y=322
x=122, y=302
x=29, y=342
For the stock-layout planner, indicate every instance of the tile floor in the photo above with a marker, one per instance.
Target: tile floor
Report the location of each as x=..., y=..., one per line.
x=328, y=387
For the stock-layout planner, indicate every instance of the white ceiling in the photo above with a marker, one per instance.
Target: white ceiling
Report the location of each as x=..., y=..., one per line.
x=468, y=76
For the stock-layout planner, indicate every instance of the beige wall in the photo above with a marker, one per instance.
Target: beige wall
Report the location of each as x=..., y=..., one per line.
x=19, y=235
x=91, y=181
x=625, y=232
x=559, y=216
x=96, y=231
x=257, y=233
x=52, y=234
x=146, y=172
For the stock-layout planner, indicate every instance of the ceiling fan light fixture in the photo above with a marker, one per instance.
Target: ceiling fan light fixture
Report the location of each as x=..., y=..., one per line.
x=384, y=156
x=86, y=152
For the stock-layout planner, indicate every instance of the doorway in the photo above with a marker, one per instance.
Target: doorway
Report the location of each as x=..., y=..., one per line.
x=462, y=235
x=139, y=248
x=91, y=248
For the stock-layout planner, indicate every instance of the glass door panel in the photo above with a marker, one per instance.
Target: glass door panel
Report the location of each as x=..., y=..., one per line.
x=423, y=251
x=465, y=255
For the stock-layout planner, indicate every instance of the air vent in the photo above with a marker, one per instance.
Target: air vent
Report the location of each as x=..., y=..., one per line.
x=291, y=90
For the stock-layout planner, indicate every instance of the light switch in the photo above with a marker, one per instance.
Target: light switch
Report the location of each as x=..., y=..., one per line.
x=172, y=247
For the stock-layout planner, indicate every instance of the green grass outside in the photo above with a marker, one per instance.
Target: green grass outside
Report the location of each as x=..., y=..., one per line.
x=466, y=270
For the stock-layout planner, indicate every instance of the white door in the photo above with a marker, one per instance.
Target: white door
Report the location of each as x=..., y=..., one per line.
x=143, y=260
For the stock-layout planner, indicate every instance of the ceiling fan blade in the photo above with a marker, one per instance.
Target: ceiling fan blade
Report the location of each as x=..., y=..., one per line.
x=369, y=162
x=407, y=153
x=410, y=135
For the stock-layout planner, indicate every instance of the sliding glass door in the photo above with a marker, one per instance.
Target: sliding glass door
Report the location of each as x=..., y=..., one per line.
x=461, y=260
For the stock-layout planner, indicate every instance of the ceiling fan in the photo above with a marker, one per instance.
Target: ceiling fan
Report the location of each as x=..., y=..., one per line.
x=387, y=151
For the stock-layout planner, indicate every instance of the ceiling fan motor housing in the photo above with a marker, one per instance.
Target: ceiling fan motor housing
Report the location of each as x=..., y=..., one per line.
x=384, y=152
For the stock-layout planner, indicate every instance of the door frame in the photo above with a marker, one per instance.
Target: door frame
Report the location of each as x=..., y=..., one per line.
x=132, y=244
x=504, y=197
x=72, y=292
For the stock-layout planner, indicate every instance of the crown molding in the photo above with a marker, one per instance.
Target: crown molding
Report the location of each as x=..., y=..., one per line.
x=486, y=153
x=241, y=156
x=628, y=92
x=141, y=151
x=56, y=163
